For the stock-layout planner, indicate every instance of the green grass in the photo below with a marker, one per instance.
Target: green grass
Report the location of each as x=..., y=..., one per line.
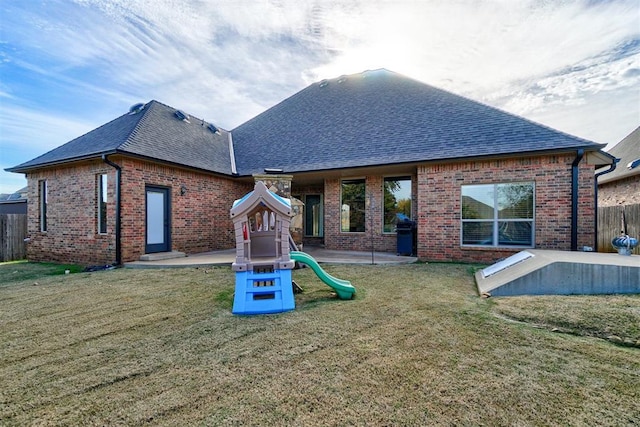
x=17, y=271
x=415, y=347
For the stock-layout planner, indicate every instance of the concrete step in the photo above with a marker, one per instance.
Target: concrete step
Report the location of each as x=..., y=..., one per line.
x=162, y=255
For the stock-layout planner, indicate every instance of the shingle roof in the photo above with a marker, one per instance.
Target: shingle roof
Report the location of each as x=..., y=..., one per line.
x=380, y=117
x=628, y=151
x=155, y=133
x=367, y=119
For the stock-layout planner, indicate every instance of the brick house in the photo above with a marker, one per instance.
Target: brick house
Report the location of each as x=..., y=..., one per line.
x=361, y=150
x=622, y=185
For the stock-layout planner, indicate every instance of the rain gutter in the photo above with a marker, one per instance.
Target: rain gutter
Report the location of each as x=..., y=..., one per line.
x=574, y=198
x=595, y=197
x=118, y=207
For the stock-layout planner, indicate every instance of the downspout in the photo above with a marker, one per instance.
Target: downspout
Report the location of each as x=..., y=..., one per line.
x=595, y=197
x=574, y=198
x=118, y=185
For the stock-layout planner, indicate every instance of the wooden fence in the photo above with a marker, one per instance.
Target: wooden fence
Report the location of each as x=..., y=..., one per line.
x=13, y=231
x=610, y=225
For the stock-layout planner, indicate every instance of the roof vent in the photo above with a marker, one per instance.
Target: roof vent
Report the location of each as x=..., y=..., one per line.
x=272, y=170
x=136, y=108
x=324, y=82
x=182, y=116
x=634, y=164
x=342, y=79
x=213, y=128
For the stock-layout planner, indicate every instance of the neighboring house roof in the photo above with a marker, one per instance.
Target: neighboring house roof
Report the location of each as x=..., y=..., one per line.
x=369, y=119
x=628, y=151
x=19, y=196
x=381, y=117
x=156, y=133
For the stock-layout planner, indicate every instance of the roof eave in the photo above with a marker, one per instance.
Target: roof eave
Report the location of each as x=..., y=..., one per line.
x=599, y=158
x=37, y=166
x=96, y=156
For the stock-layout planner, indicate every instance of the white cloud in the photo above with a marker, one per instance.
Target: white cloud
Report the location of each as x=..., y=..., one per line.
x=26, y=134
x=563, y=63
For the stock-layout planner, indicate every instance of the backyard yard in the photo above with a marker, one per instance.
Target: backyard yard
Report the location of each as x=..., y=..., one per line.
x=417, y=346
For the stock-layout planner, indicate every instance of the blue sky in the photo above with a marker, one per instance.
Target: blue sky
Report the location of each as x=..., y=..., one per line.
x=67, y=67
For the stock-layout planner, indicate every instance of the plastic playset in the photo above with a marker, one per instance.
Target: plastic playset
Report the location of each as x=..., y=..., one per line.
x=264, y=256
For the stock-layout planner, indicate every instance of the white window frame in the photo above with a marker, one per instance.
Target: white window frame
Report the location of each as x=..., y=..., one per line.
x=496, y=220
x=102, y=181
x=42, y=196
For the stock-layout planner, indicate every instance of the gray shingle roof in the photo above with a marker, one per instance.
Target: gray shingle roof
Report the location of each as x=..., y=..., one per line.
x=154, y=133
x=628, y=151
x=367, y=119
x=380, y=117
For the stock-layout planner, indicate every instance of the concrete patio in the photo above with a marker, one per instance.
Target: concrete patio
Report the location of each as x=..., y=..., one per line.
x=226, y=257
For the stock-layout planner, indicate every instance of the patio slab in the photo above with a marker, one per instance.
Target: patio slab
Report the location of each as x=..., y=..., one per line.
x=226, y=257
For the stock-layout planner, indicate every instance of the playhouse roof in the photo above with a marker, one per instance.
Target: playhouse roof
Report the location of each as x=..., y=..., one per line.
x=260, y=195
x=154, y=132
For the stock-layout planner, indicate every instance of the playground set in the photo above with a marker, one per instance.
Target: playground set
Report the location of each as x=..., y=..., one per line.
x=266, y=255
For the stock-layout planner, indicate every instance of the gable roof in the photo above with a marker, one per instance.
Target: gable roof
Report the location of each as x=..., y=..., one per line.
x=155, y=133
x=260, y=195
x=381, y=117
x=628, y=151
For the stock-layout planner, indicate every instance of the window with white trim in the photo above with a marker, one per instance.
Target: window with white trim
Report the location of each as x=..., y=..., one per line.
x=498, y=214
x=102, y=203
x=42, y=193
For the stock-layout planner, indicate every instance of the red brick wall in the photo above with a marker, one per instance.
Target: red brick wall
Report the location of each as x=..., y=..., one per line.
x=200, y=219
x=624, y=191
x=337, y=240
x=439, y=204
x=71, y=235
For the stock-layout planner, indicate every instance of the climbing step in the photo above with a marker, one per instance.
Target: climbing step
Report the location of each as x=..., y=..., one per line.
x=263, y=293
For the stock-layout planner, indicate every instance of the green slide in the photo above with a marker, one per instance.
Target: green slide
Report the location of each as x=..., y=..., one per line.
x=343, y=288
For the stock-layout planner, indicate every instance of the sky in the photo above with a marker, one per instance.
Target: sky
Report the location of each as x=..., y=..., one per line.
x=69, y=66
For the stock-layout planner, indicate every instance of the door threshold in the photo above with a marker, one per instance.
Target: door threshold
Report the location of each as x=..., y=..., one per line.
x=158, y=256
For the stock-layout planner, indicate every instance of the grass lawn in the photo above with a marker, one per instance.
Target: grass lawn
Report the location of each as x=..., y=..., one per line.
x=416, y=347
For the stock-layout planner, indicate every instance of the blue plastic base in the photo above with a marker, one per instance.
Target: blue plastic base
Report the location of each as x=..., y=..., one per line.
x=263, y=293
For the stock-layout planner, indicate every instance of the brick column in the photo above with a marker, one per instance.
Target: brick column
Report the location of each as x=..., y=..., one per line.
x=280, y=184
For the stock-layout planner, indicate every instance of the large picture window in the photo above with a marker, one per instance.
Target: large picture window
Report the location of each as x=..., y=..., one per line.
x=352, y=213
x=498, y=214
x=102, y=204
x=43, y=193
x=397, y=202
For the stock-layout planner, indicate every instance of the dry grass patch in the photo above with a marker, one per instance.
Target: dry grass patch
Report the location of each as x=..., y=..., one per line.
x=613, y=317
x=416, y=347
